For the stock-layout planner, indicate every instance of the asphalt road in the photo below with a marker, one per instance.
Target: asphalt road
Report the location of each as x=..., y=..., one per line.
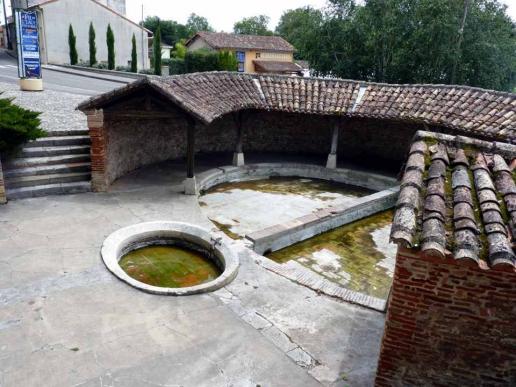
x=57, y=81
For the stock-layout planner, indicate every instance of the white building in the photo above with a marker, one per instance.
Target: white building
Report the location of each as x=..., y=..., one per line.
x=55, y=17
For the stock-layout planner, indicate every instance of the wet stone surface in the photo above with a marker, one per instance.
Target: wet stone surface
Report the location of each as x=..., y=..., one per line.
x=169, y=266
x=357, y=256
x=243, y=207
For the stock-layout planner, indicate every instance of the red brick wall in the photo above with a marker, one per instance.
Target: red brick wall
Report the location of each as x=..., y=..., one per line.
x=3, y=198
x=448, y=325
x=98, y=151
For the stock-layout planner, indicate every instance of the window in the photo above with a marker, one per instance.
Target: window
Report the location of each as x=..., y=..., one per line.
x=258, y=55
x=240, y=56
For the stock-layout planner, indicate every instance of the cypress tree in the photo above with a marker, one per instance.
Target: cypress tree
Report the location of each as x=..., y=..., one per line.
x=93, y=47
x=134, y=57
x=110, y=40
x=156, y=51
x=73, y=48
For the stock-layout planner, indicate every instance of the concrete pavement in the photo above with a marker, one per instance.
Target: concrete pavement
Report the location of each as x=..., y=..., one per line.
x=65, y=321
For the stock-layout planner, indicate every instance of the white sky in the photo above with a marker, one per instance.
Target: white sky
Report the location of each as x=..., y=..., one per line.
x=222, y=14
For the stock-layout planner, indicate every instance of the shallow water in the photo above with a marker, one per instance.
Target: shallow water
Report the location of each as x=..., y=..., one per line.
x=357, y=256
x=169, y=266
x=243, y=207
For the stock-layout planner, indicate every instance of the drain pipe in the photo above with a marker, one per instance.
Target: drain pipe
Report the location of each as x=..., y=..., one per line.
x=332, y=157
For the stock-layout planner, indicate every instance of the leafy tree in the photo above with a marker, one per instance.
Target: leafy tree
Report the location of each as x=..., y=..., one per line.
x=227, y=61
x=470, y=42
x=110, y=40
x=92, y=46
x=17, y=126
x=254, y=25
x=171, y=31
x=300, y=27
x=196, y=23
x=134, y=56
x=179, y=51
x=74, y=57
x=156, y=52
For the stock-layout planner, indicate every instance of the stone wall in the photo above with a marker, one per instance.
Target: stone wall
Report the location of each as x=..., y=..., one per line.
x=448, y=325
x=3, y=198
x=121, y=144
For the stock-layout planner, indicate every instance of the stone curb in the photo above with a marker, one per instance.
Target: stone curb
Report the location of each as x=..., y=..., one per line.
x=117, y=242
x=297, y=230
x=85, y=75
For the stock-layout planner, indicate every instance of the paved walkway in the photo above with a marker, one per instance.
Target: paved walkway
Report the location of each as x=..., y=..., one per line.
x=65, y=321
x=58, y=108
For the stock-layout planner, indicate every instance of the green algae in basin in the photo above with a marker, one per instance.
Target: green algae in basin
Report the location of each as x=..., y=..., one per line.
x=169, y=266
x=357, y=256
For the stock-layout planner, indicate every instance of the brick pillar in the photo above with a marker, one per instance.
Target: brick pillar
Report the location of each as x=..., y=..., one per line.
x=99, y=139
x=3, y=197
x=448, y=324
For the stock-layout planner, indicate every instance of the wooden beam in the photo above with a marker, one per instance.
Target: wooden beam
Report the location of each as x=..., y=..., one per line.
x=335, y=137
x=190, y=148
x=237, y=117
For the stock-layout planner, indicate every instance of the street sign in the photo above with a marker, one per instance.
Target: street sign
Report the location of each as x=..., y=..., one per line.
x=29, y=62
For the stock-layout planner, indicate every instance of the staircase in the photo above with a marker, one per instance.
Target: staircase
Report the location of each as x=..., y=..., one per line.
x=52, y=165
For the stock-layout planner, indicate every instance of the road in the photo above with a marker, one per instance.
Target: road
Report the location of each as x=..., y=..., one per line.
x=53, y=80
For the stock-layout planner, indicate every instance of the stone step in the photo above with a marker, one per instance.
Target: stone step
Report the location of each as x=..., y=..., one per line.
x=38, y=180
x=45, y=151
x=58, y=141
x=48, y=189
x=51, y=160
x=48, y=170
x=61, y=133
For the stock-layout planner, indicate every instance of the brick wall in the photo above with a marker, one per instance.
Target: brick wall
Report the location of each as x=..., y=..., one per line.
x=448, y=325
x=3, y=198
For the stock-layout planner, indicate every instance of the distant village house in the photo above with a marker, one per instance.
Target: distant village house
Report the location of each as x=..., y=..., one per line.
x=255, y=54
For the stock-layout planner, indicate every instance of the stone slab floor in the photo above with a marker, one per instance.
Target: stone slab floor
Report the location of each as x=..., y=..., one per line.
x=65, y=321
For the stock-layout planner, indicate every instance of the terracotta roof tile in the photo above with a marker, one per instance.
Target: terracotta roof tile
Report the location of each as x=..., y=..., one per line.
x=468, y=196
x=208, y=96
x=222, y=40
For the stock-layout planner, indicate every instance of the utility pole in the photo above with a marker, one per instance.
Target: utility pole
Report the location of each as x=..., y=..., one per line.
x=143, y=42
x=9, y=44
x=453, y=78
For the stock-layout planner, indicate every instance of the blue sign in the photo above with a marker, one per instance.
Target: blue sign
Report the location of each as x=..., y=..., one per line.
x=28, y=44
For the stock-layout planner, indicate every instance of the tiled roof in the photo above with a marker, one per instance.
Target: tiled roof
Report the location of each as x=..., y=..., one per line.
x=221, y=40
x=272, y=66
x=208, y=96
x=458, y=198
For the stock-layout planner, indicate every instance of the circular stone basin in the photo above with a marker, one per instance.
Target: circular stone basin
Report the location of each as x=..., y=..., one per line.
x=169, y=258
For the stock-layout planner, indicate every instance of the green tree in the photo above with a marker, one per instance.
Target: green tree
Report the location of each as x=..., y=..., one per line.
x=134, y=56
x=171, y=31
x=196, y=23
x=471, y=42
x=300, y=27
x=227, y=61
x=179, y=51
x=17, y=126
x=254, y=25
x=92, y=45
x=156, y=52
x=110, y=40
x=74, y=57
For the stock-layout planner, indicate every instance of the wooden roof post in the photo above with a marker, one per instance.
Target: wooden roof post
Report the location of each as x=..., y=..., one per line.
x=190, y=183
x=238, y=156
x=332, y=157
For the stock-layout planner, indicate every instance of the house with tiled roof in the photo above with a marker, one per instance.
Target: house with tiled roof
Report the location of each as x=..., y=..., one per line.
x=254, y=53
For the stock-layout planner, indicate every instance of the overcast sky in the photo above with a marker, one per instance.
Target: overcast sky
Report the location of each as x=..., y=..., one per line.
x=223, y=14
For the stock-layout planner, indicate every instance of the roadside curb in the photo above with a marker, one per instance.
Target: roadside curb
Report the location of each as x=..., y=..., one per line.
x=85, y=75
